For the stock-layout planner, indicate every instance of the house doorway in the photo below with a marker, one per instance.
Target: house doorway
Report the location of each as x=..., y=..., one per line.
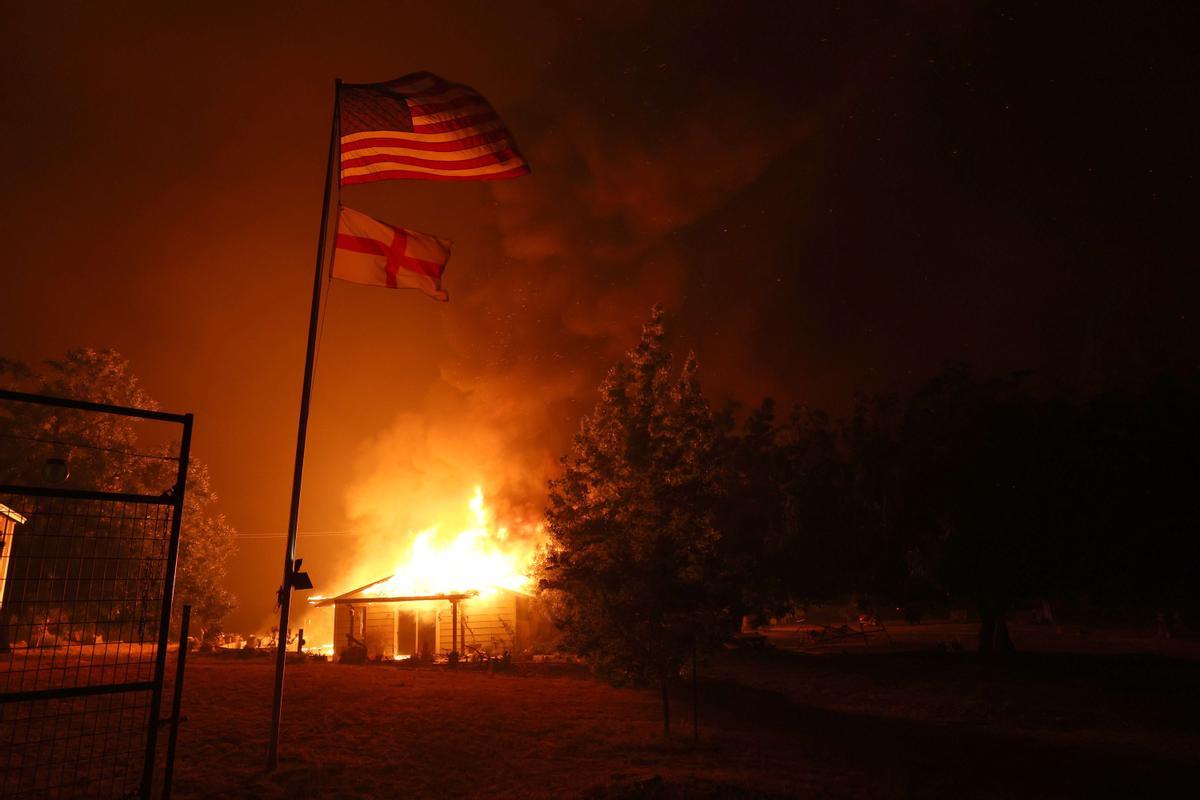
x=416, y=632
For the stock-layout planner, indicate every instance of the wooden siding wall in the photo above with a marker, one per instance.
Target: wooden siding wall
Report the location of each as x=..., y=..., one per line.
x=492, y=624
x=381, y=630
x=489, y=623
x=341, y=624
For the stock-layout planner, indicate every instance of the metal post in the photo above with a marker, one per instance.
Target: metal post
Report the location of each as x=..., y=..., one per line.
x=164, y=624
x=289, y=555
x=695, y=696
x=176, y=702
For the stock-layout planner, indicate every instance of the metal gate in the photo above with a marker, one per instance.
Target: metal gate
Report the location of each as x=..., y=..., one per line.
x=86, y=578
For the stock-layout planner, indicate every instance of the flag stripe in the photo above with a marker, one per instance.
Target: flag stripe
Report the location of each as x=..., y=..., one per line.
x=496, y=138
x=370, y=270
x=402, y=174
x=457, y=124
x=430, y=268
x=450, y=136
x=457, y=165
x=372, y=155
x=360, y=244
x=399, y=164
x=438, y=151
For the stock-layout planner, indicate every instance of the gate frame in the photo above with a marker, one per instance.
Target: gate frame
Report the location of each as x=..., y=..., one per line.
x=171, y=497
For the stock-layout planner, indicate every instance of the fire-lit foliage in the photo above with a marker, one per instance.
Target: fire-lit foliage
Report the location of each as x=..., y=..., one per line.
x=632, y=570
x=104, y=452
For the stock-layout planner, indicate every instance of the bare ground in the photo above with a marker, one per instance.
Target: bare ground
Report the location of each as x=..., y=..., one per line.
x=1080, y=717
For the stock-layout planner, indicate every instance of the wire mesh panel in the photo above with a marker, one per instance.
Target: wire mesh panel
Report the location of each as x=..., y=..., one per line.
x=84, y=746
x=83, y=595
x=86, y=580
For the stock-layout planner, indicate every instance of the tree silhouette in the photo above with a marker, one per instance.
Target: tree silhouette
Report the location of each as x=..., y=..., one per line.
x=633, y=572
x=105, y=453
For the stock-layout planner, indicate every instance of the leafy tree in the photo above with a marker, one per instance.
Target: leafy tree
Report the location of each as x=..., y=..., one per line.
x=993, y=493
x=1135, y=456
x=976, y=494
x=633, y=572
x=990, y=493
x=104, y=453
x=941, y=495
x=805, y=507
x=831, y=517
x=207, y=542
x=99, y=448
x=755, y=545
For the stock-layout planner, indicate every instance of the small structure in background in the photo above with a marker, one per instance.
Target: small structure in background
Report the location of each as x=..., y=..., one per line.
x=9, y=520
x=470, y=625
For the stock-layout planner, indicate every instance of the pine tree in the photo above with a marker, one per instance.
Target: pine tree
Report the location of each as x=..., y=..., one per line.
x=631, y=573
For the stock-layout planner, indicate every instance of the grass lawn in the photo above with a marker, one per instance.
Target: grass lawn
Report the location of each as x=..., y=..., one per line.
x=900, y=720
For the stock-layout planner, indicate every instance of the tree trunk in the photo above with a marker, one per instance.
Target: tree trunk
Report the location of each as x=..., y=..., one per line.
x=1004, y=643
x=666, y=700
x=987, y=628
x=993, y=628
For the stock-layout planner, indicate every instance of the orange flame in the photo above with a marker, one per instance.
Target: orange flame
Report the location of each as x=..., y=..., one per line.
x=480, y=558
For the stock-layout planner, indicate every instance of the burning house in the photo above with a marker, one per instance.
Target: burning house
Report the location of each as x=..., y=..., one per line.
x=465, y=593
x=375, y=625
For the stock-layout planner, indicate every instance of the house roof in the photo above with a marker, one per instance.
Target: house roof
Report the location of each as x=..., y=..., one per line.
x=5, y=511
x=359, y=595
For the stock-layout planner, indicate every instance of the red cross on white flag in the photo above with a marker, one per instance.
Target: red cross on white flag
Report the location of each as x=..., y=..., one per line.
x=374, y=253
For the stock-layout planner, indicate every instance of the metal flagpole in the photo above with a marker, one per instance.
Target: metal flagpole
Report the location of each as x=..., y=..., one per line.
x=289, y=555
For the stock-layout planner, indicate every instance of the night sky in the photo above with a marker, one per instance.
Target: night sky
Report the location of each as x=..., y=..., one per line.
x=827, y=198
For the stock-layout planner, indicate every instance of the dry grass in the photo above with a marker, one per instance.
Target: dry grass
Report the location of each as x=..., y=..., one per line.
x=876, y=722
x=369, y=731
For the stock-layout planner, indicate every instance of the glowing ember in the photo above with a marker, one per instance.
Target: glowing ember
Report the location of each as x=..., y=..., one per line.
x=480, y=558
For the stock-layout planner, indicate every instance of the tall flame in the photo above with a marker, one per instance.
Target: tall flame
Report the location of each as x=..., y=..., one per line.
x=480, y=558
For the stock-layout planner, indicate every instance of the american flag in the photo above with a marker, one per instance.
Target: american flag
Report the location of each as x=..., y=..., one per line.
x=421, y=127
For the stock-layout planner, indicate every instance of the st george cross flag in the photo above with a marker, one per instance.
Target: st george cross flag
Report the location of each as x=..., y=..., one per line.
x=421, y=127
x=374, y=253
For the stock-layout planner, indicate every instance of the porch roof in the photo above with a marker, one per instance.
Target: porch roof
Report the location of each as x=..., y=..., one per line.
x=359, y=596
